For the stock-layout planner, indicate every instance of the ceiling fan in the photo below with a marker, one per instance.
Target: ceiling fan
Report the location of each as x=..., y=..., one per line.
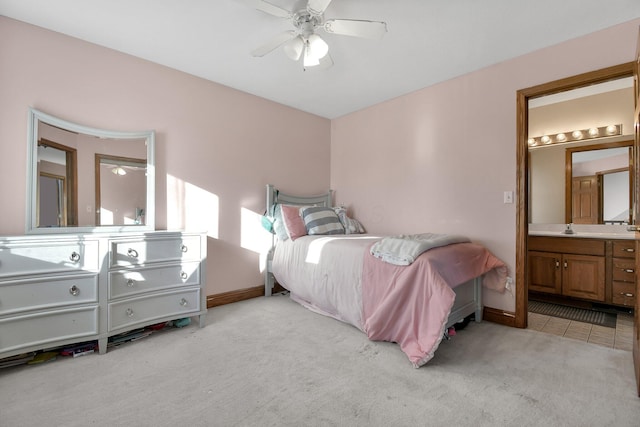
x=308, y=18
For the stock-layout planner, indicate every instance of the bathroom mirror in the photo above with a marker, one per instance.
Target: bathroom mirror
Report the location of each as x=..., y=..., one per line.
x=553, y=164
x=581, y=184
x=83, y=179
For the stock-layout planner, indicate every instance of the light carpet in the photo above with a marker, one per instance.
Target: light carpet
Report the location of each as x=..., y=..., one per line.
x=270, y=362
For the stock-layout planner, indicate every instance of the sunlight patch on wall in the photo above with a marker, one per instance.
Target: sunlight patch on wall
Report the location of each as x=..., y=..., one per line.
x=192, y=208
x=253, y=236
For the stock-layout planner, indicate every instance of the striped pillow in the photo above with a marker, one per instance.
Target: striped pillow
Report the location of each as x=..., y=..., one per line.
x=321, y=220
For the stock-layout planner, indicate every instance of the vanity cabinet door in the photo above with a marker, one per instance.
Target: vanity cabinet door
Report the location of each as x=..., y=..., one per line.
x=583, y=277
x=544, y=272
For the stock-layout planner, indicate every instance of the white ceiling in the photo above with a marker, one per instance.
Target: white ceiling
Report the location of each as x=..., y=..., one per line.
x=429, y=41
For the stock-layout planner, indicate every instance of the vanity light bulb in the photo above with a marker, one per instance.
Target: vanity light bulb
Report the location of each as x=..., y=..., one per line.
x=577, y=134
x=532, y=142
x=561, y=137
x=545, y=139
x=612, y=130
x=593, y=132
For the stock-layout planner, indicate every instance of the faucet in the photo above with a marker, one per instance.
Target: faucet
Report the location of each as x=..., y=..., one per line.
x=569, y=229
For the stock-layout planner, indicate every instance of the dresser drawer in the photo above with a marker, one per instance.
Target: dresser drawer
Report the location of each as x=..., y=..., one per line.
x=47, y=327
x=144, y=310
x=163, y=249
x=48, y=257
x=623, y=293
x=140, y=280
x=624, y=270
x=624, y=248
x=56, y=291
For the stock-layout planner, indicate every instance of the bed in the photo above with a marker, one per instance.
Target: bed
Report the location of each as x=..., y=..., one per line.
x=414, y=305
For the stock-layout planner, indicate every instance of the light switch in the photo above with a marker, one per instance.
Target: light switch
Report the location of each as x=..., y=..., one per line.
x=508, y=197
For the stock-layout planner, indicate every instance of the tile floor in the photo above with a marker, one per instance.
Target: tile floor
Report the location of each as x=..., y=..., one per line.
x=619, y=338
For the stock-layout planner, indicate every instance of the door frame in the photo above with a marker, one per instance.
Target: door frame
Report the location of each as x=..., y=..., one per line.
x=522, y=166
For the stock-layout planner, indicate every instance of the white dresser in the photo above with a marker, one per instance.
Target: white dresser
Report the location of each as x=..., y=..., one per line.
x=62, y=289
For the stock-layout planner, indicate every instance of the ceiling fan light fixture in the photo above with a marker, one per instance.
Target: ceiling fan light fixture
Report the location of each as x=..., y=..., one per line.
x=319, y=48
x=294, y=48
x=119, y=171
x=309, y=59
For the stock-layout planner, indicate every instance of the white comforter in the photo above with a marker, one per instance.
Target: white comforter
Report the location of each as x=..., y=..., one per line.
x=335, y=273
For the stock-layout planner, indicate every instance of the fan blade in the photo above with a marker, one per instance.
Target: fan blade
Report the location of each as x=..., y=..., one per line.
x=275, y=42
x=271, y=9
x=351, y=27
x=317, y=7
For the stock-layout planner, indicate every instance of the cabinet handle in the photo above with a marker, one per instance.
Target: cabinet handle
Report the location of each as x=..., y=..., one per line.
x=628, y=270
x=184, y=248
x=130, y=283
x=557, y=263
x=129, y=312
x=629, y=250
x=626, y=294
x=75, y=256
x=184, y=302
x=74, y=290
x=566, y=265
x=183, y=275
x=132, y=253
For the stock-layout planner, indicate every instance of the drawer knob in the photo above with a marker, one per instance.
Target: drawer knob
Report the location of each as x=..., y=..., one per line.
x=129, y=312
x=626, y=294
x=132, y=253
x=183, y=275
x=75, y=256
x=74, y=290
x=130, y=283
x=184, y=248
x=184, y=302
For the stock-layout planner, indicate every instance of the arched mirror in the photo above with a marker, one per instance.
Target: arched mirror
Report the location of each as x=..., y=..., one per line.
x=82, y=179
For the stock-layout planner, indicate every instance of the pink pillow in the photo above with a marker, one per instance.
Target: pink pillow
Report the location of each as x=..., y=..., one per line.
x=293, y=222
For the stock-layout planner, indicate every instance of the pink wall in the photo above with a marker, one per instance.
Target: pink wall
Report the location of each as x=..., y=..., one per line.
x=440, y=159
x=437, y=160
x=216, y=145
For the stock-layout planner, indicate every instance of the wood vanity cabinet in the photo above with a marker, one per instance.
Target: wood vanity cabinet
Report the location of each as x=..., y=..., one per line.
x=597, y=270
x=62, y=289
x=570, y=267
x=623, y=273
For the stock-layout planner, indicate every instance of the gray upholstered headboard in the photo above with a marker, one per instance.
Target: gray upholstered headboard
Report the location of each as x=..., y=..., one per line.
x=275, y=196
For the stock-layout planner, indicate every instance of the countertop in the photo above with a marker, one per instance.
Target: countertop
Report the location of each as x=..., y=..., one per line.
x=585, y=231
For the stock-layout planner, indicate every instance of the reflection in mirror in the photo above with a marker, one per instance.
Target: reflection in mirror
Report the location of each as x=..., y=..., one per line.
x=52, y=196
x=552, y=199
x=120, y=190
x=598, y=181
x=74, y=200
x=55, y=209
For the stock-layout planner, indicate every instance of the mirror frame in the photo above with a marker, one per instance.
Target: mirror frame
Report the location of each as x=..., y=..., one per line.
x=36, y=116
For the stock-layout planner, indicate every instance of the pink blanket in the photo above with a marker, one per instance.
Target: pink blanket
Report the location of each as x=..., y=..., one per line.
x=410, y=304
x=337, y=276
